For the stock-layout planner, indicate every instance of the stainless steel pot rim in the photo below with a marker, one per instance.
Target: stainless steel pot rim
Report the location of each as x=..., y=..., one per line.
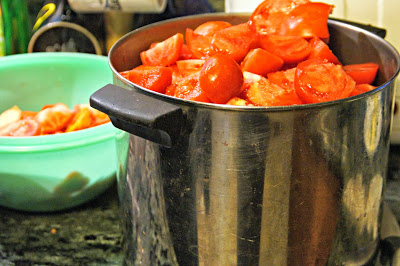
x=175, y=100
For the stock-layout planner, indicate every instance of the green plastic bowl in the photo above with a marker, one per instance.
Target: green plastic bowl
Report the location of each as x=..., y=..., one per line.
x=56, y=172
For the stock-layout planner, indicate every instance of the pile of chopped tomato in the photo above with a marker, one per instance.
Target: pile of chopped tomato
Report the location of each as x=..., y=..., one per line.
x=279, y=57
x=51, y=119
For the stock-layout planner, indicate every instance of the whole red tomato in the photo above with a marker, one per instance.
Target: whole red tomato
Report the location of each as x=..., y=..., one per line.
x=221, y=78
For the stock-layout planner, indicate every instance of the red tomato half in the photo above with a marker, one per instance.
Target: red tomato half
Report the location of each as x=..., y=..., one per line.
x=320, y=50
x=292, y=49
x=321, y=81
x=164, y=53
x=155, y=78
x=362, y=73
x=261, y=62
x=234, y=41
x=221, y=78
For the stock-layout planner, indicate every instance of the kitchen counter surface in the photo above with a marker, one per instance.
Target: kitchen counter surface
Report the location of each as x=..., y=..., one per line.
x=87, y=235
x=90, y=234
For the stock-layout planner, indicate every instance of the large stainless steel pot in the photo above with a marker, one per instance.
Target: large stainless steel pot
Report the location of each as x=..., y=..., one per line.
x=223, y=185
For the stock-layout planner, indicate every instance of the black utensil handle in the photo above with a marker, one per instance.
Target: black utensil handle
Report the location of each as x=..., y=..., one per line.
x=139, y=114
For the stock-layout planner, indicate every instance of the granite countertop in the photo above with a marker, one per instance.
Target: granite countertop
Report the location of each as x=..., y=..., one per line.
x=87, y=235
x=90, y=234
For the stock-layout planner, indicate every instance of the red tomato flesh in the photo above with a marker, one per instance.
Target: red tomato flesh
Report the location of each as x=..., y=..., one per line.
x=265, y=93
x=320, y=50
x=284, y=78
x=189, y=88
x=321, y=81
x=362, y=73
x=155, y=78
x=21, y=128
x=238, y=102
x=199, y=40
x=164, y=53
x=362, y=88
x=292, y=49
x=261, y=62
x=53, y=118
x=190, y=66
x=234, y=41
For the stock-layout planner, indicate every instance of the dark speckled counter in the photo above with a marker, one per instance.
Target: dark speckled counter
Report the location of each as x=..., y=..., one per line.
x=86, y=235
x=90, y=234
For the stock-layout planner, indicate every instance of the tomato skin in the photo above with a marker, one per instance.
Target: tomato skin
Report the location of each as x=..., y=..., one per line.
x=155, y=78
x=261, y=62
x=307, y=20
x=291, y=18
x=320, y=50
x=221, y=78
x=292, y=49
x=188, y=88
x=321, y=81
x=364, y=73
x=362, y=88
x=164, y=53
x=234, y=41
x=209, y=28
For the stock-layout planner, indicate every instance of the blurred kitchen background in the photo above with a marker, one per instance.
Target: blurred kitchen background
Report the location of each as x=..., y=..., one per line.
x=90, y=26
x=107, y=20
x=93, y=26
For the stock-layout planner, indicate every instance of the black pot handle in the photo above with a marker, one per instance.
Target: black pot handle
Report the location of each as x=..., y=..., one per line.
x=139, y=114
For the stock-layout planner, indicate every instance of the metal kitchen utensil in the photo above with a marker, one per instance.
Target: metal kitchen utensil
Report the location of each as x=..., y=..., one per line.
x=214, y=184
